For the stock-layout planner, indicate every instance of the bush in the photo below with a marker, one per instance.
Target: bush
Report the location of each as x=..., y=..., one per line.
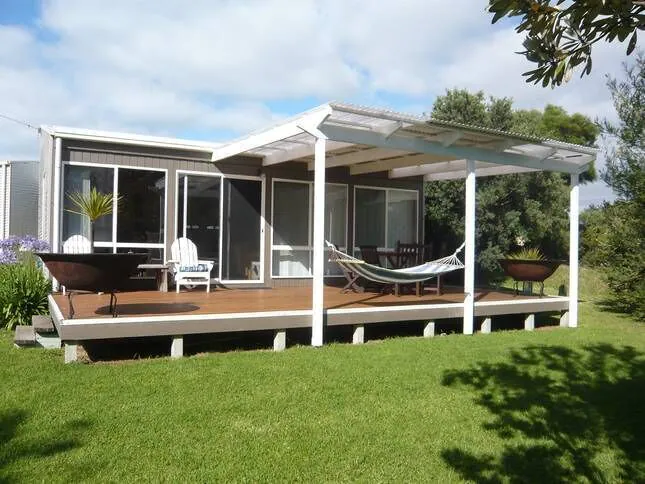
x=613, y=241
x=23, y=286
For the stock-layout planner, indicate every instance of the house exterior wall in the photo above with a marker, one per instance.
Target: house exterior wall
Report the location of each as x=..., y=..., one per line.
x=175, y=161
x=18, y=198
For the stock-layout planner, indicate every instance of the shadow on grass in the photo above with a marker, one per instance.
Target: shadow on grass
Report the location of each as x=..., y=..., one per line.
x=563, y=414
x=18, y=450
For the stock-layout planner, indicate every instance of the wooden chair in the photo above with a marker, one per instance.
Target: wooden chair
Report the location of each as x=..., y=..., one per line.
x=369, y=253
x=410, y=255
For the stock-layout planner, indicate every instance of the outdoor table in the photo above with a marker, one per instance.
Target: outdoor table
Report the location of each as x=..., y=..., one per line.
x=161, y=274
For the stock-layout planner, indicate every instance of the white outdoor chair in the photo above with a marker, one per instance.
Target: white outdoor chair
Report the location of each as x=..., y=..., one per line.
x=77, y=244
x=186, y=266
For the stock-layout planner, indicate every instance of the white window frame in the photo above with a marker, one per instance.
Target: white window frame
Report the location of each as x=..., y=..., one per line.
x=309, y=246
x=113, y=244
x=387, y=191
x=222, y=177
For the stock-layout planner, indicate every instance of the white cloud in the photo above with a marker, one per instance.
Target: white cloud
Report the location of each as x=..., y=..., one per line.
x=212, y=68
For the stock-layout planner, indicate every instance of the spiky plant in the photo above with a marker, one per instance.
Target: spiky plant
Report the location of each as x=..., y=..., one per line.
x=527, y=254
x=92, y=205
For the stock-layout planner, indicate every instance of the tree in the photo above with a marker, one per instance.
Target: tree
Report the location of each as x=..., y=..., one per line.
x=614, y=235
x=625, y=171
x=532, y=206
x=561, y=33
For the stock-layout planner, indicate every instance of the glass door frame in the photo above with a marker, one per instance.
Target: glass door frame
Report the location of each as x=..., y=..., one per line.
x=222, y=177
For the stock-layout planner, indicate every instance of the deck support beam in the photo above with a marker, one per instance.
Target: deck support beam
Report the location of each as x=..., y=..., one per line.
x=71, y=351
x=177, y=347
x=358, y=336
x=564, y=319
x=469, y=251
x=487, y=325
x=529, y=322
x=428, y=329
x=280, y=340
x=317, y=317
x=574, y=209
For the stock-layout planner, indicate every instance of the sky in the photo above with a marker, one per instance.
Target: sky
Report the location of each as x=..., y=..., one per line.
x=217, y=69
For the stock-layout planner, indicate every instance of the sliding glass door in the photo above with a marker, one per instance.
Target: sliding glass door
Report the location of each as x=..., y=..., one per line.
x=292, y=247
x=223, y=217
x=385, y=216
x=241, y=253
x=198, y=215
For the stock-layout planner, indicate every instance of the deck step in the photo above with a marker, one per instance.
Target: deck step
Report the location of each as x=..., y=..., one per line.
x=25, y=336
x=43, y=324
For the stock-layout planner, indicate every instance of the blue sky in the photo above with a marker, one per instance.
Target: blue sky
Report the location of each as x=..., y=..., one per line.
x=216, y=69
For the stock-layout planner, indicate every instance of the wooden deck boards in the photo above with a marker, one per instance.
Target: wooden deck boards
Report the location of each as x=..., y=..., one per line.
x=228, y=301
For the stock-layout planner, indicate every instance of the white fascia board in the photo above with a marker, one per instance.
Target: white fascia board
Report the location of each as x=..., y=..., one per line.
x=129, y=139
x=305, y=123
x=424, y=146
x=397, y=163
x=495, y=170
x=301, y=152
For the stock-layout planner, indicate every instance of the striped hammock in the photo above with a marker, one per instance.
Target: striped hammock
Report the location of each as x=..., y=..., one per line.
x=374, y=273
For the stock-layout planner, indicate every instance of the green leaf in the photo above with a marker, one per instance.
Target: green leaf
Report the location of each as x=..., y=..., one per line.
x=632, y=42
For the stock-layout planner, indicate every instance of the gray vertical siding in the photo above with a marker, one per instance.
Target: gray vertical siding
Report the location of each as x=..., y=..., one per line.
x=23, y=216
x=175, y=161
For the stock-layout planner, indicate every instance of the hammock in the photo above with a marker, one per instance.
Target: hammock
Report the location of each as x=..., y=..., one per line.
x=375, y=273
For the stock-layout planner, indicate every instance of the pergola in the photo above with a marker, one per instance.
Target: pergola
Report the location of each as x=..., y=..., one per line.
x=368, y=140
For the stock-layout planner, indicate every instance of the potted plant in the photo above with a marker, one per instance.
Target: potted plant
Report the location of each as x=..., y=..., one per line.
x=92, y=205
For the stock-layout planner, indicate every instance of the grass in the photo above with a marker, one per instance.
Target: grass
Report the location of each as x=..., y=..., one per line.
x=549, y=406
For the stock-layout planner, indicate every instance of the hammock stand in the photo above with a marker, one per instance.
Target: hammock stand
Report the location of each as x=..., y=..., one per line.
x=354, y=269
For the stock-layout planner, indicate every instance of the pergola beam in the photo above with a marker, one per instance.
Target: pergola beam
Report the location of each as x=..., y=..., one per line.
x=491, y=171
x=361, y=156
x=418, y=145
x=396, y=163
x=300, y=152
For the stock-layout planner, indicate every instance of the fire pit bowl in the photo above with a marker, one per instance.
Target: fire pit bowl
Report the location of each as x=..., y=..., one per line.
x=92, y=272
x=527, y=270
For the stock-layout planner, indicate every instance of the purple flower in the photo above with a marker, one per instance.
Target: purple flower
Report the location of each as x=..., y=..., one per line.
x=12, y=246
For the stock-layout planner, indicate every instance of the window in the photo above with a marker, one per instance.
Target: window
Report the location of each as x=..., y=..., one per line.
x=385, y=216
x=81, y=179
x=138, y=222
x=292, y=223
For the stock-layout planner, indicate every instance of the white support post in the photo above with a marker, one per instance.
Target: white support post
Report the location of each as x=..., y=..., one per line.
x=529, y=322
x=574, y=210
x=487, y=325
x=71, y=351
x=358, y=336
x=177, y=347
x=319, y=244
x=428, y=329
x=469, y=251
x=280, y=340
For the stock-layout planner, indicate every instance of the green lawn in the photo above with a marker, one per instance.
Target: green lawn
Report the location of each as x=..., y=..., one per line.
x=546, y=406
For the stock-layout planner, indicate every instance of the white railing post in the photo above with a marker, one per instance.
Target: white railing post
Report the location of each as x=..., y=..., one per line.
x=469, y=251
x=319, y=244
x=574, y=210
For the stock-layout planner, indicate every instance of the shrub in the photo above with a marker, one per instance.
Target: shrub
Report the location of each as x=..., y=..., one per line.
x=613, y=241
x=23, y=287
